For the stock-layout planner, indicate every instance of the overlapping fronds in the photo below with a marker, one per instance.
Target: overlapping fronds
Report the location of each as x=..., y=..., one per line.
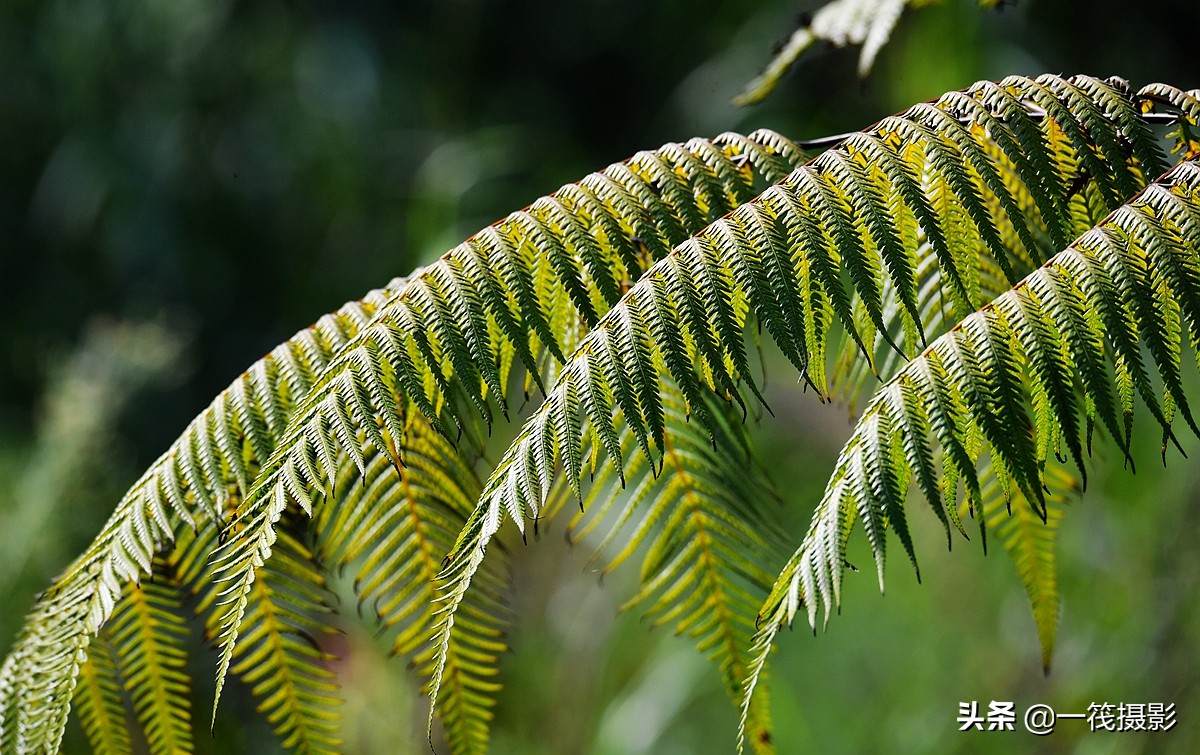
x=286, y=626
x=1030, y=548
x=842, y=23
x=1033, y=372
x=560, y=264
x=361, y=409
x=1030, y=541
x=148, y=636
x=1075, y=327
x=392, y=532
x=39, y=675
x=99, y=702
x=985, y=279
x=705, y=524
x=850, y=373
x=193, y=485
x=519, y=291
x=795, y=256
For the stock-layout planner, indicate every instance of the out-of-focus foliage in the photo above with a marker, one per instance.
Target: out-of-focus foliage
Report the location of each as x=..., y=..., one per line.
x=842, y=23
x=255, y=164
x=70, y=465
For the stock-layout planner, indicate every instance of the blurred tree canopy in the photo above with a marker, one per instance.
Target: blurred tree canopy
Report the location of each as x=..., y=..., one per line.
x=237, y=169
x=251, y=165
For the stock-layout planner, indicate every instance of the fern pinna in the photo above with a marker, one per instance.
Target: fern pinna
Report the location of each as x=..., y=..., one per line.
x=961, y=198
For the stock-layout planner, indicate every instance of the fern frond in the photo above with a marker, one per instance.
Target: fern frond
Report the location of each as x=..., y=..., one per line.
x=281, y=660
x=99, y=702
x=1075, y=327
x=39, y=676
x=1030, y=548
x=1128, y=281
x=392, y=531
x=1030, y=542
x=197, y=480
x=148, y=634
x=708, y=537
x=1051, y=224
x=509, y=294
x=775, y=257
x=607, y=224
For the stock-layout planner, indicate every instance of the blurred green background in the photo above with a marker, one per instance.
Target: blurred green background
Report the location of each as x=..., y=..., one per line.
x=187, y=182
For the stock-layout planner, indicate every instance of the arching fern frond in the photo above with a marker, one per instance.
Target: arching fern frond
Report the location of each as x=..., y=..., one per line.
x=392, y=532
x=148, y=637
x=1005, y=385
x=99, y=702
x=586, y=242
x=282, y=660
x=519, y=291
x=193, y=485
x=853, y=212
x=705, y=526
x=1030, y=548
